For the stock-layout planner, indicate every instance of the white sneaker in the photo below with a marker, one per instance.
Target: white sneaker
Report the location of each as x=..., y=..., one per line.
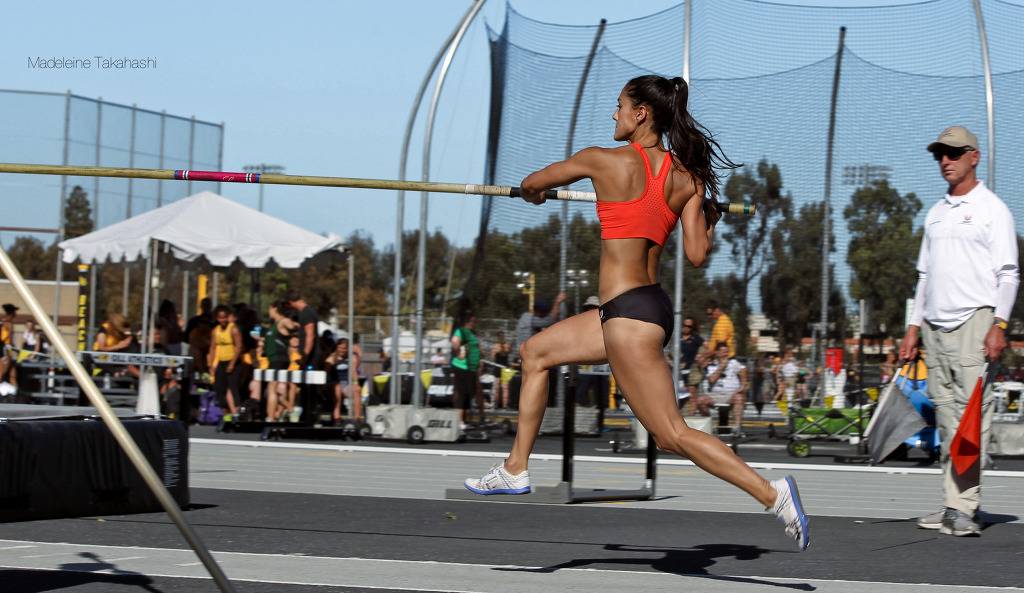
x=790, y=511
x=499, y=481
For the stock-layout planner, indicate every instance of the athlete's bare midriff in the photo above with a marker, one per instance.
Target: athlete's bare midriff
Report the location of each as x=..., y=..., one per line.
x=625, y=265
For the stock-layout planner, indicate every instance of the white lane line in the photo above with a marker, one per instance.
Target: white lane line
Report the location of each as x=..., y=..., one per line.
x=15, y=547
x=585, y=458
x=433, y=576
x=43, y=555
x=189, y=564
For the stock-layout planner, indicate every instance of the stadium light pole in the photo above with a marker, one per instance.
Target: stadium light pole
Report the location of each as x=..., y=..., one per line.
x=263, y=168
x=421, y=263
x=126, y=275
x=526, y=282
x=396, y=295
x=60, y=212
x=576, y=279
x=254, y=280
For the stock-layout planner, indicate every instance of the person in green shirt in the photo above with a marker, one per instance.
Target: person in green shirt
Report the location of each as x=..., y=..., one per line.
x=466, y=368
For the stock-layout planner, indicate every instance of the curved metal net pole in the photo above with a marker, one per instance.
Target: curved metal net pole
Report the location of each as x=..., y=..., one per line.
x=421, y=260
x=989, y=95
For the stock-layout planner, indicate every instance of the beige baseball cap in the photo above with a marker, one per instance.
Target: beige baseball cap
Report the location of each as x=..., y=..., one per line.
x=956, y=137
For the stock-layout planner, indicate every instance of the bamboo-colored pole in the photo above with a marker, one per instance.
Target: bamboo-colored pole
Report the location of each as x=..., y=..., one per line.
x=351, y=182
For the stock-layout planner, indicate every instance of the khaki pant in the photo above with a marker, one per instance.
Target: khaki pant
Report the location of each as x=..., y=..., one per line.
x=955, y=360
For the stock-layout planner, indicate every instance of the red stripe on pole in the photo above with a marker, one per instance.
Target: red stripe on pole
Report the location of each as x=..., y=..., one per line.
x=222, y=176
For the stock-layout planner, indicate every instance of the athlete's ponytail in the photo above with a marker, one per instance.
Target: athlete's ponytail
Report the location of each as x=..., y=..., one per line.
x=690, y=143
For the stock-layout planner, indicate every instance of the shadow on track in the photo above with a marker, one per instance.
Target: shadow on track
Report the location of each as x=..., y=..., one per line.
x=691, y=562
x=74, y=574
x=374, y=532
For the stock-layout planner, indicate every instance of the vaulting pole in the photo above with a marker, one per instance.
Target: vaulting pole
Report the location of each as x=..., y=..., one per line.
x=351, y=182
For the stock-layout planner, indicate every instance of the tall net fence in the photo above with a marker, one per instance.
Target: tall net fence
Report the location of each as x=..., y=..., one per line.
x=70, y=129
x=761, y=81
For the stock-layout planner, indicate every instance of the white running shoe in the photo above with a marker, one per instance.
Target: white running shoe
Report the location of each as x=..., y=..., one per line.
x=790, y=511
x=499, y=481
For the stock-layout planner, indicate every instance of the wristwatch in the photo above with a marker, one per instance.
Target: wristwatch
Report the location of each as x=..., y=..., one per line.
x=1001, y=324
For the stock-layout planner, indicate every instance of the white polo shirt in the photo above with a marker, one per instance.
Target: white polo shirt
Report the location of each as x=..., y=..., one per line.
x=968, y=260
x=729, y=383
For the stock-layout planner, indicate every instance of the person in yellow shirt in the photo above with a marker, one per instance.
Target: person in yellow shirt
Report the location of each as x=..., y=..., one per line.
x=115, y=334
x=8, y=370
x=723, y=330
x=224, y=356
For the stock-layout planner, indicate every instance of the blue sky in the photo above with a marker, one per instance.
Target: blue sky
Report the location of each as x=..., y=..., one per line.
x=323, y=88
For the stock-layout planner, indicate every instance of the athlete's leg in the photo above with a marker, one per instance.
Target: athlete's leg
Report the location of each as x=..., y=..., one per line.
x=635, y=352
x=576, y=339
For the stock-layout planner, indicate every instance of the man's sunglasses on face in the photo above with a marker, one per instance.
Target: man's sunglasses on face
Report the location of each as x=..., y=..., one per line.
x=954, y=154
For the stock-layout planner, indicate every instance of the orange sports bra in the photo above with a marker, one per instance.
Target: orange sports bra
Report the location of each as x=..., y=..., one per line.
x=646, y=217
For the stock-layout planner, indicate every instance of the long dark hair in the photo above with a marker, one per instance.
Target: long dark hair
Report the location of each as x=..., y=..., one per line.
x=688, y=141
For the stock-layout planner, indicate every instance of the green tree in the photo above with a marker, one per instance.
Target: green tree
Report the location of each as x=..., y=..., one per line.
x=31, y=258
x=883, y=251
x=747, y=235
x=532, y=249
x=791, y=285
x=77, y=214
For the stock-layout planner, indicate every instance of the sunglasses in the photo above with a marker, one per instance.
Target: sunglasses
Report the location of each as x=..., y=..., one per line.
x=688, y=326
x=953, y=154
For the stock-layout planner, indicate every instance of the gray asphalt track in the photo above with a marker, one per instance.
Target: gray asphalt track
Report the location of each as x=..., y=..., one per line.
x=296, y=517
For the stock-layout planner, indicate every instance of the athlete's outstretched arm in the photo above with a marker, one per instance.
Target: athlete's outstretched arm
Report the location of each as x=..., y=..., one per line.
x=582, y=164
x=698, y=228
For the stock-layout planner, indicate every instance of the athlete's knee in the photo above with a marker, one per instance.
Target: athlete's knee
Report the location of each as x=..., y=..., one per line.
x=533, y=356
x=523, y=350
x=670, y=438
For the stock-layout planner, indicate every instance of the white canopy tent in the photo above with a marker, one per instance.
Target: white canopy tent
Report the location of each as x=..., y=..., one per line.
x=207, y=225
x=203, y=225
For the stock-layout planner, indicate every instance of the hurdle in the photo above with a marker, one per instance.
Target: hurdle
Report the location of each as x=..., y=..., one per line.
x=307, y=428
x=565, y=492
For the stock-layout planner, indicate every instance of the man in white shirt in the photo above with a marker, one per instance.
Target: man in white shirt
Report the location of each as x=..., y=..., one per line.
x=727, y=384
x=967, y=283
x=790, y=372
